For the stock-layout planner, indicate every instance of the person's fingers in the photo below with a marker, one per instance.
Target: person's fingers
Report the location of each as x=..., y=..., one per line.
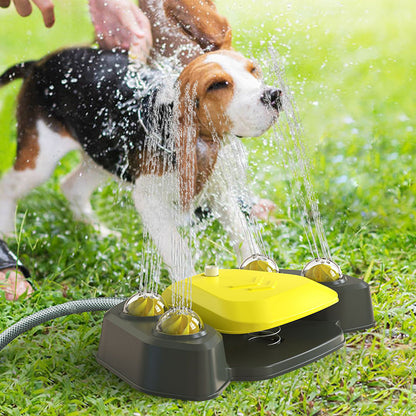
x=144, y=24
x=23, y=7
x=4, y=3
x=141, y=46
x=139, y=51
x=129, y=23
x=103, y=42
x=47, y=9
x=107, y=40
x=121, y=24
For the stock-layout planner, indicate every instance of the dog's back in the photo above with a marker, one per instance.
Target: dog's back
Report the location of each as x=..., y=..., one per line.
x=92, y=96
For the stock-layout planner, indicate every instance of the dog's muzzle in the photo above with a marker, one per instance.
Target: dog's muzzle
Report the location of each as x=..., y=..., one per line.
x=272, y=98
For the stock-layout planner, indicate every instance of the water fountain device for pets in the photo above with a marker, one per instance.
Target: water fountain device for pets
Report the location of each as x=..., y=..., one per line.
x=245, y=325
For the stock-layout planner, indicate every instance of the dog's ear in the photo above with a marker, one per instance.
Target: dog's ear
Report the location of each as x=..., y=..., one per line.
x=187, y=133
x=227, y=41
x=201, y=22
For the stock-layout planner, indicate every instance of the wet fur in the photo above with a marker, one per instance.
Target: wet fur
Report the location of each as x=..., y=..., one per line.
x=79, y=99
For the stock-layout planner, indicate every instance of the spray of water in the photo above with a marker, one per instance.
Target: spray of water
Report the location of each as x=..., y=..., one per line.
x=158, y=151
x=228, y=178
x=227, y=185
x=289, y=137
x=185, y=143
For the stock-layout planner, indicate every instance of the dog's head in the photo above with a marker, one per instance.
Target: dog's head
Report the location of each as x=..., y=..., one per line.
x=227, y=95
x=220, y=92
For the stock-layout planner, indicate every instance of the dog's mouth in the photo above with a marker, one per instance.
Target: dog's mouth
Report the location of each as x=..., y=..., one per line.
x=271, y=101
x=272, y=98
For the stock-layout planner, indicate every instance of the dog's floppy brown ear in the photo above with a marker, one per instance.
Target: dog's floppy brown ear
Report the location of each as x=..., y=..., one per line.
x=201, y=21
x=185, y=144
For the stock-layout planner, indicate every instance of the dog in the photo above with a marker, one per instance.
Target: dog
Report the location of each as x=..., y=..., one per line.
x=164, y=137
x=183, y=30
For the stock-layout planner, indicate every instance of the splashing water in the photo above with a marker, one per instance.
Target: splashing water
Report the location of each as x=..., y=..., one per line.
x=184, y=136
x=151, y=266
x=158, y=119
x=228, y=177
x=288, y=136
x=140, y=79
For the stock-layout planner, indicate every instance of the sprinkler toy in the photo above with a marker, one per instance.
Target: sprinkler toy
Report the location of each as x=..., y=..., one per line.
x=251, y=323
x=244, y=301
x=144, y=305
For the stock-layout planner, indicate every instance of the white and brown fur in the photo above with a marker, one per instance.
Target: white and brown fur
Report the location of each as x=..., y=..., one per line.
x=68, y=100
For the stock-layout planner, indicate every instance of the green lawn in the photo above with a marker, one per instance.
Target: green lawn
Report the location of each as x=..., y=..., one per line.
x=352, y=68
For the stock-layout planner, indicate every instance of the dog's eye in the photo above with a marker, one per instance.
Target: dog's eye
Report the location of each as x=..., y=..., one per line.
x=254, y=70
x=218, y=85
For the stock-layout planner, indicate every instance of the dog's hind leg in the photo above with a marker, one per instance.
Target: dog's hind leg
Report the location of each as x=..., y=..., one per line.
x=78, y=187
x=38, y=151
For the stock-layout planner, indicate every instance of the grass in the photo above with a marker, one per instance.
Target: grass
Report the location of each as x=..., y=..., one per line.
x=352, y=69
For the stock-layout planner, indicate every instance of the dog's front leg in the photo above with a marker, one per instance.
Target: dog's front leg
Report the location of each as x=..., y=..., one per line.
x=226, y=208
x=224, y=188
x=153, y=198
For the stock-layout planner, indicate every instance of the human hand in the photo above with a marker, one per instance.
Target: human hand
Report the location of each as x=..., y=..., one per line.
x=24, y=8
x=262, y=209
x=121, y=24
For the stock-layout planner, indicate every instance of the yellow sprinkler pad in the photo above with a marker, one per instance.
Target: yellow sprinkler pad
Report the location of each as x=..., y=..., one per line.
x=240, y=301
x=322, y=270
x=261, y=263
x=180, y=321
x=144, y=305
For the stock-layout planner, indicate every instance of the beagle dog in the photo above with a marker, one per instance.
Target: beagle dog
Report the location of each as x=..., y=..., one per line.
x=161, y=134
x=183, y=30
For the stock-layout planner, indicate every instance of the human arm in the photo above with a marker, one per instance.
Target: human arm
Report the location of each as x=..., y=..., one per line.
x=118, y=23
x=24, y=8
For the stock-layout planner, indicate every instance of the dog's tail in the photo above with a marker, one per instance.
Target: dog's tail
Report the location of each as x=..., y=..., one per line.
x=15, y=72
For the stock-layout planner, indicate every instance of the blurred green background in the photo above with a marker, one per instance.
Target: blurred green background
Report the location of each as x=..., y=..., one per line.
x=352, y=68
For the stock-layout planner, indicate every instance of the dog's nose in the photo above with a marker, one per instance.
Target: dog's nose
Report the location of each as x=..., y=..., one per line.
x=272, y=97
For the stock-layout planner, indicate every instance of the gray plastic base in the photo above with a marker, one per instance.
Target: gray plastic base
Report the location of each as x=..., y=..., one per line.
x=183, y=367
x=252, y=357
x=199, y=367
x=354, y=310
